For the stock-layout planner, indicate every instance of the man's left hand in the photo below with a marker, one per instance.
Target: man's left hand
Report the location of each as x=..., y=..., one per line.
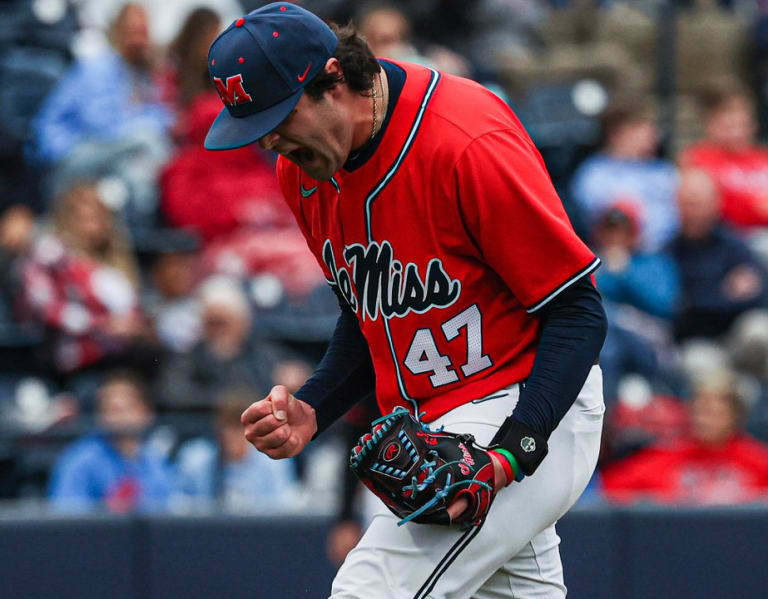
x=460, y=505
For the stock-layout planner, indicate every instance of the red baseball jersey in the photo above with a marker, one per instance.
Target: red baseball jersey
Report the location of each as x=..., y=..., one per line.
x=445, y=243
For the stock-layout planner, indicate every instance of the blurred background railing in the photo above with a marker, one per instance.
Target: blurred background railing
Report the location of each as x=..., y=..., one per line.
x=633, y=553
x=150, y=290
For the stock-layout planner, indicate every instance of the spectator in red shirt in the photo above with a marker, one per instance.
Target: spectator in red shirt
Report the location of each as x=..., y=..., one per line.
x=715, y=463
x=731, y=156
x=240, y=184
x=233, y=202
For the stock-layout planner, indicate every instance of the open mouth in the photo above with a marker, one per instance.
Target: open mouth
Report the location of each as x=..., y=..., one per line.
x=302, y=155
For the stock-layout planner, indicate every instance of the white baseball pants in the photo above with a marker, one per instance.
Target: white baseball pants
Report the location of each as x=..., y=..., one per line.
x=514, y=554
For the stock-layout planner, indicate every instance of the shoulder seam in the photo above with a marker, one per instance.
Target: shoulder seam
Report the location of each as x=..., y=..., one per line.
x=470, y=84
x=472, y=140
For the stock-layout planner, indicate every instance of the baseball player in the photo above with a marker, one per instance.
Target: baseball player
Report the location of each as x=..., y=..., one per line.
x=467, y=306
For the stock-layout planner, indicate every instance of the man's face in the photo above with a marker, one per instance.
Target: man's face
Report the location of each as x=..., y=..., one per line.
x=386, y=31
x=225, y=328
x=638, y=138
x=174, y=274
x=132, y=37
x=733, y=125
x=615, y=235
x=699, y=204
x=121, y=408
x=316, y=136
x=713, y=420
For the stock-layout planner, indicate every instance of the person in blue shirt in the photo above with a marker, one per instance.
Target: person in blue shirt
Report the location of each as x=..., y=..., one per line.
x=641, y=292
x=119, y=468
x=107, y=97
x=647, y=281
x=227, y=472
x=627, y=171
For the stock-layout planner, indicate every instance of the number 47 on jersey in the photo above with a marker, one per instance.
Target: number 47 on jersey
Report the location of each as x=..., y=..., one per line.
x=423, y=355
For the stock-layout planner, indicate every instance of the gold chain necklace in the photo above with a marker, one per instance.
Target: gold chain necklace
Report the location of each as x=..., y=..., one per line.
x=373, y=126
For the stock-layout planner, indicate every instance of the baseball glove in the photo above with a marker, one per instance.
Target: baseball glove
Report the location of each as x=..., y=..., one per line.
x=418, y=472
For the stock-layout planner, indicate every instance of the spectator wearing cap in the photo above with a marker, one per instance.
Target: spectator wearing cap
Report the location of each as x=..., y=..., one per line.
x=226, y=471
x=169, y=298
x=121, y=467
x=731, y=156
x=641, y=292
x=107, y=97
x=227, y=355
x=646, y=281
x=81, y=282
x=720, y=277
x=715, y=463
x=627, y=170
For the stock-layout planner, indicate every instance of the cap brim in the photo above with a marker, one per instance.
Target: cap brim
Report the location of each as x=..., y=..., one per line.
x=229, y=132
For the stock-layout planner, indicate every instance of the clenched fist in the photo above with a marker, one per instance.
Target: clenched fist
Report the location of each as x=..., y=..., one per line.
x=279, y=425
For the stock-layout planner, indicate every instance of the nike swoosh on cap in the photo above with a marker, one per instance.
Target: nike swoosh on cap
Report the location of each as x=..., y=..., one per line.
x=301, y=78
x=305, y=193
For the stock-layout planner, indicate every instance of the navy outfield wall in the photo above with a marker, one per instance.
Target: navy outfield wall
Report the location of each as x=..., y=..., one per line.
x=618, y=553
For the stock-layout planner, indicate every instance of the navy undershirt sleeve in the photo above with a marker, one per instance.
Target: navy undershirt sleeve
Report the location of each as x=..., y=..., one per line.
x=345, y=374
x=573, y=330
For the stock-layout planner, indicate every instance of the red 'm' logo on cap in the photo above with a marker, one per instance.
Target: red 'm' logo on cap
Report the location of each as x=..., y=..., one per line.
x=233, y=92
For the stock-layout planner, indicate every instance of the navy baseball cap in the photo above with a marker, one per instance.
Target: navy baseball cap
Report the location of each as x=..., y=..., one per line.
x=260, y=65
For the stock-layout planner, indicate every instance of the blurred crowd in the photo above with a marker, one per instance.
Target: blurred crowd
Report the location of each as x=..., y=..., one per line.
x=151, y=290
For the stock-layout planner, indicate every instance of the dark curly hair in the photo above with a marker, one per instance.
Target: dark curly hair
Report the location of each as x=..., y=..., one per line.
x=358, y=65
